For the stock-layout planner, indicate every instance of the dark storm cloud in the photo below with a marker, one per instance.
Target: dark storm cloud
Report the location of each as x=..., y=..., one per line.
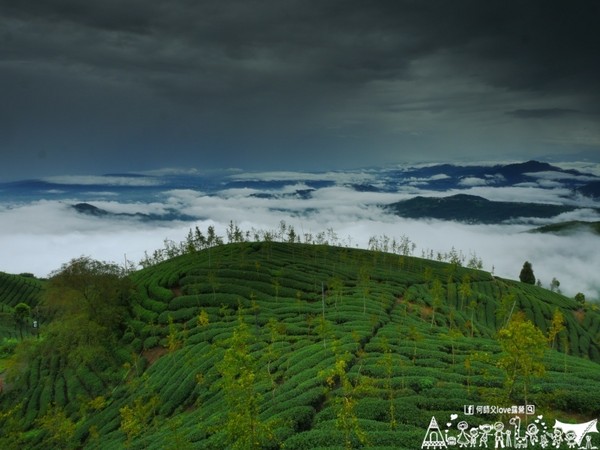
x=241, y=83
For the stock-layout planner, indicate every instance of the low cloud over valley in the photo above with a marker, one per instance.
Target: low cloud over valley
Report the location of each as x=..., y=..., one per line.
x=41, y=234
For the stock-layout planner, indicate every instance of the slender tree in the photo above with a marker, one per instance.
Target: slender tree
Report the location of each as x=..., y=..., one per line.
x=388, y=364
x=506, y=308
x=437, y=297
x=464, y=290
x=557, y=325
x=345, y=403
x=138, y=416
x=555, y=285
x=364, y=280
x=21, y=315
x=523, y=346
x=59, y=426
x=239, y=379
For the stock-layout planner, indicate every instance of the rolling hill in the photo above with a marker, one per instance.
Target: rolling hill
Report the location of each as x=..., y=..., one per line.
x=472, y=209
x=565, y=228
x=297, y=346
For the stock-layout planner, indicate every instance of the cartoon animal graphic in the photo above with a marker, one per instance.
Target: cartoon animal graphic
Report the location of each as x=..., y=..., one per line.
x=520, y=440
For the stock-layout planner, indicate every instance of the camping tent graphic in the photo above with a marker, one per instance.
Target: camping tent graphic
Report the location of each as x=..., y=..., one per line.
x=580, y=429
x=434, y=437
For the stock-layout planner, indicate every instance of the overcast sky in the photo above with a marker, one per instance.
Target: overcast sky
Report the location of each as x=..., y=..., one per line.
x=103, y=86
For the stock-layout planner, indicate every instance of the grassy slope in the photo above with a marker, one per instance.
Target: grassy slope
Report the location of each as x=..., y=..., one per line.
x=377, y=309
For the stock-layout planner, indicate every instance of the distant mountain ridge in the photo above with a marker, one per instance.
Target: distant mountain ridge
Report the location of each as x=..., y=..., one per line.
x=500, y=175
x=573, y=226
x=297, y=192
x=91, y=210
x=86, y=208
x=590, y=189
x=436, y=177
x=472, y=209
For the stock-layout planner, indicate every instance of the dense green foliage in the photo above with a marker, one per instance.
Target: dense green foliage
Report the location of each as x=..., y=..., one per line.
x=14, y=290
x=323, y=347
x=526, y=275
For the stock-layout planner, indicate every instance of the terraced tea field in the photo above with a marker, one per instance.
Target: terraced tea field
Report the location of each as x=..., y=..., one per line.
x=15, y=289
x=272, y=345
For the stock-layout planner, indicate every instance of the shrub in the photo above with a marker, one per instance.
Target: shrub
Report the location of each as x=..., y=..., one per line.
x=435, y=403
x=138, y=326
x=177, y=393
x=128, y=337
x=136, y=345
x=373, y=409
x=422, y=383
x=315, y=438
x=584, y=402
x=184, y=301
x=159, y=293
x=300, y=417
x=45, y=397
x=144, y=314
x=301, y=397
x=7, y=346
x=151, y=342
x=33, y=405
x=179, y=315
x=89, y=380
x=402, y=438
x=153, y=305
x=60, y=391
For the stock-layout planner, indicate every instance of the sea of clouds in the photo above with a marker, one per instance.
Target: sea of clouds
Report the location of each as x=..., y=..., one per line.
x=39, y=236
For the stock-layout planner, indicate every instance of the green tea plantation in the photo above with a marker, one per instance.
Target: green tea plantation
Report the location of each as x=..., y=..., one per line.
x=272, y=345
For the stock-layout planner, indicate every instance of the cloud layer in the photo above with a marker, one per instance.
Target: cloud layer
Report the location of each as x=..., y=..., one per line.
x=41, y=235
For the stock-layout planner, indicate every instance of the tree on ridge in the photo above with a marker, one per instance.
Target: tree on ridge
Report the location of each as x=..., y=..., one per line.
x=526, y=275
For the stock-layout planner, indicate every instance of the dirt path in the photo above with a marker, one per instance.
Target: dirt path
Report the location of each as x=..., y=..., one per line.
x=152, y=354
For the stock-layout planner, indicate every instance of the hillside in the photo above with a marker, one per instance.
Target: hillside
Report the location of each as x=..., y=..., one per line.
x=472, y=209
x=565, y=228
x=91, y=210
x=15, y=289
x=273, y=345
